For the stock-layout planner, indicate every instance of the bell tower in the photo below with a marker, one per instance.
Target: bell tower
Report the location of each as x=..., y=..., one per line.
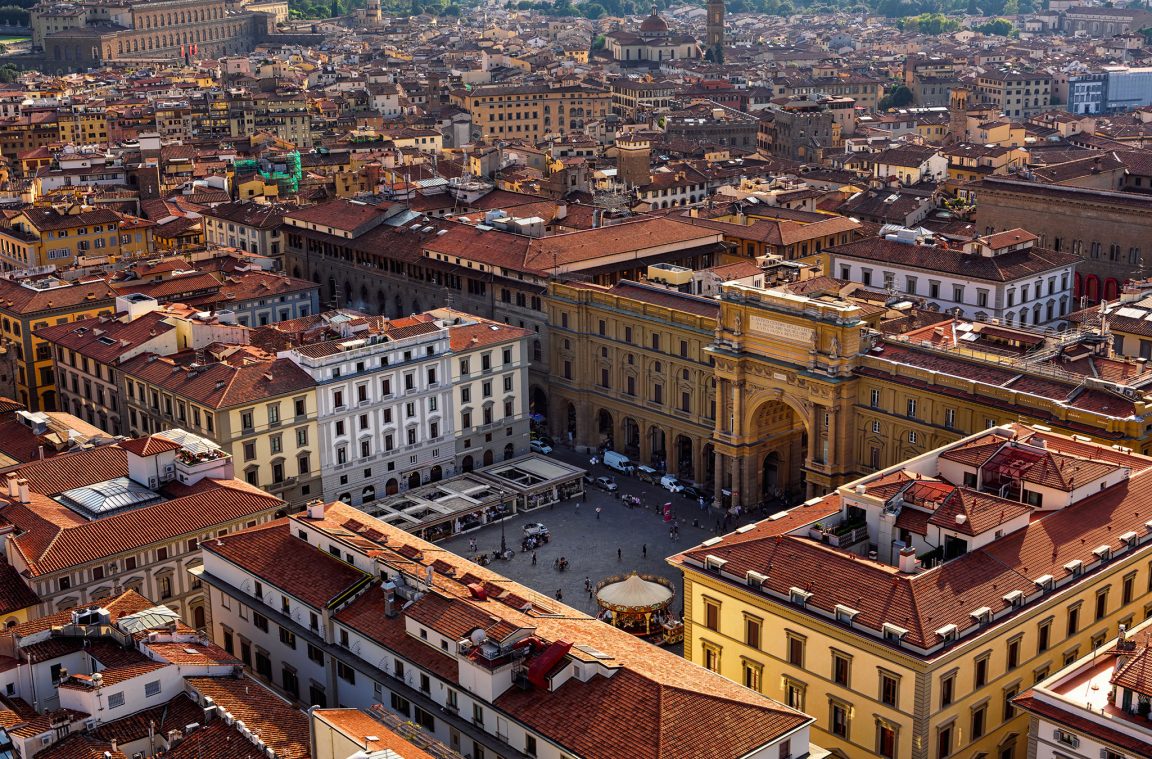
x=716, y=30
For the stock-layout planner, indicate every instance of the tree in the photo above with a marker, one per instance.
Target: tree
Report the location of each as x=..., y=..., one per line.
x=899, y=97
x=999, y=27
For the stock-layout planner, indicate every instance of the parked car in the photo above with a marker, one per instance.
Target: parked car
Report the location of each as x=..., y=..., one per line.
x=696, y=493
x=546, y=440
x=606, y=483
x=534, y=529
x=671, y=483
x=539, y=446
x=647, y=474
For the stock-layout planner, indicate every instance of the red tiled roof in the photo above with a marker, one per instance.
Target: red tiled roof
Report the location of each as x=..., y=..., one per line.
x=47, y=547
x=270, y=552
x=281, y=726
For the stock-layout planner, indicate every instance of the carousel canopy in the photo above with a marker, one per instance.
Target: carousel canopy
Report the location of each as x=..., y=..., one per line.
x=635, y=592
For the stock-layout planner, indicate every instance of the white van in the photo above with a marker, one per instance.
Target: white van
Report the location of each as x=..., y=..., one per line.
x=619, y=462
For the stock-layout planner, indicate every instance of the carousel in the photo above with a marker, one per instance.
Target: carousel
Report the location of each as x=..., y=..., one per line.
x=638, y=604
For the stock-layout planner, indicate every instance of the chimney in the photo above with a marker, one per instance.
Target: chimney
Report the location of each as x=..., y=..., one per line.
x=431, y=574
x=908, y=560
x=13, y=489
x=22, y=484
x=316, y=508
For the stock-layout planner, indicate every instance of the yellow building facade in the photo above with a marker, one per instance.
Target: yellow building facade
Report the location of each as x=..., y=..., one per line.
x=632, y=372
x=848, y=659
x=268, y=425
x=532, y=112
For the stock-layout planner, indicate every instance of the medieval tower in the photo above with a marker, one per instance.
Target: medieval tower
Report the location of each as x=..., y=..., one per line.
x=716, y=30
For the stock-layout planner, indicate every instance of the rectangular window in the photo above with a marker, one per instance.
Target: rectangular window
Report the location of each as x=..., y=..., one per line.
x=795, y=650
x=344, y=672
x=1101, y=604
x=1044, y=636
x=980, y=675
x=1013, y=653
x=889, y=689
x=839, y=719
x=947, y=689
x=841, y=668
x=944, y=742
x=752, y=632
x=712, y=615
x=152, y=688
x=116, y=700
x=1073, y=621
x=911, y=407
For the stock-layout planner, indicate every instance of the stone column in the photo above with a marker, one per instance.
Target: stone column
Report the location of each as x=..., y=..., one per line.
x=718, y=467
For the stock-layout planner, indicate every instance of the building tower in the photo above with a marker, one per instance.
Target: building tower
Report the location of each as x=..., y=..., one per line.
x=960, y=100
x=716, y=30
x=633, y=161
x=375, y=16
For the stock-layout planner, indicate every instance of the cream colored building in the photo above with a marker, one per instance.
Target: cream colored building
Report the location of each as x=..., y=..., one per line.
x=907, y=609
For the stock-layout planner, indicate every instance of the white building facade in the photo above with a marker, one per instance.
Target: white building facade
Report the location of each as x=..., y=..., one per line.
x=384, y=396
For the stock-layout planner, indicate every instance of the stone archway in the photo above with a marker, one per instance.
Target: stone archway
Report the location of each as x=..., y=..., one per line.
x=392, y=487
x=538, y=401
x=488, y=457
x=604, y=427
x=414, y=480
x=631, y=437
x=779, y=453
x=657, y=447
x=682, y=458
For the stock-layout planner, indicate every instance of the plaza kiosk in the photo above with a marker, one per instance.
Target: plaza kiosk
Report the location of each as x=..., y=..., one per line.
x=639, y=604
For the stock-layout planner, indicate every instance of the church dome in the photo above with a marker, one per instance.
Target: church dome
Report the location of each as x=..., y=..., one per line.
x=654, y=24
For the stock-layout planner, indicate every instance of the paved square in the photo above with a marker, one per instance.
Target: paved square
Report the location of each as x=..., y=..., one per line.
x=595, y=547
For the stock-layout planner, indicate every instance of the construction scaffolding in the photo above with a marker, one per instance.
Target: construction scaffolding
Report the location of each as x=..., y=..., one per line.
x=284, y=171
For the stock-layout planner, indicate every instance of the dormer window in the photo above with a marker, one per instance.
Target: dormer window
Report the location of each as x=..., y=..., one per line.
x=714, y=562
x=1129, y=538
x=893, y=633
x=1044, y=582
x=983, y=615
x=948, y=633
x=755, y=579
x=845, y=614
x=1014, y=599
x=1074, y=567
x=1103, y=553
x=798, y=596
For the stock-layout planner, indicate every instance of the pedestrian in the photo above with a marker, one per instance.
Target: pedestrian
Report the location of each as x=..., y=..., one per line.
x=587, y=583
x=589, y=592
x=701, y=503
x=559, y=594
x=671, y=536
x=619, y=554
x=644, y=551
x=585, y=498
x=597, y=512
x=556, y=563
x=533, y=558
x=578, y=506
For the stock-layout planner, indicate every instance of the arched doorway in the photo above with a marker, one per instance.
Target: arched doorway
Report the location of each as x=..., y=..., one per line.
x=199, y=618
x=436, y=474
x=685, y=468
x=414, y=480
x=392, y=487
x=631, y=437
x=509, y=451
x=657, y=452
x=604, y=427
x=488, y=458
x=538, y=401
x=368, y=494
x=775, y=466
x=770, y=474
x=467, y=464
